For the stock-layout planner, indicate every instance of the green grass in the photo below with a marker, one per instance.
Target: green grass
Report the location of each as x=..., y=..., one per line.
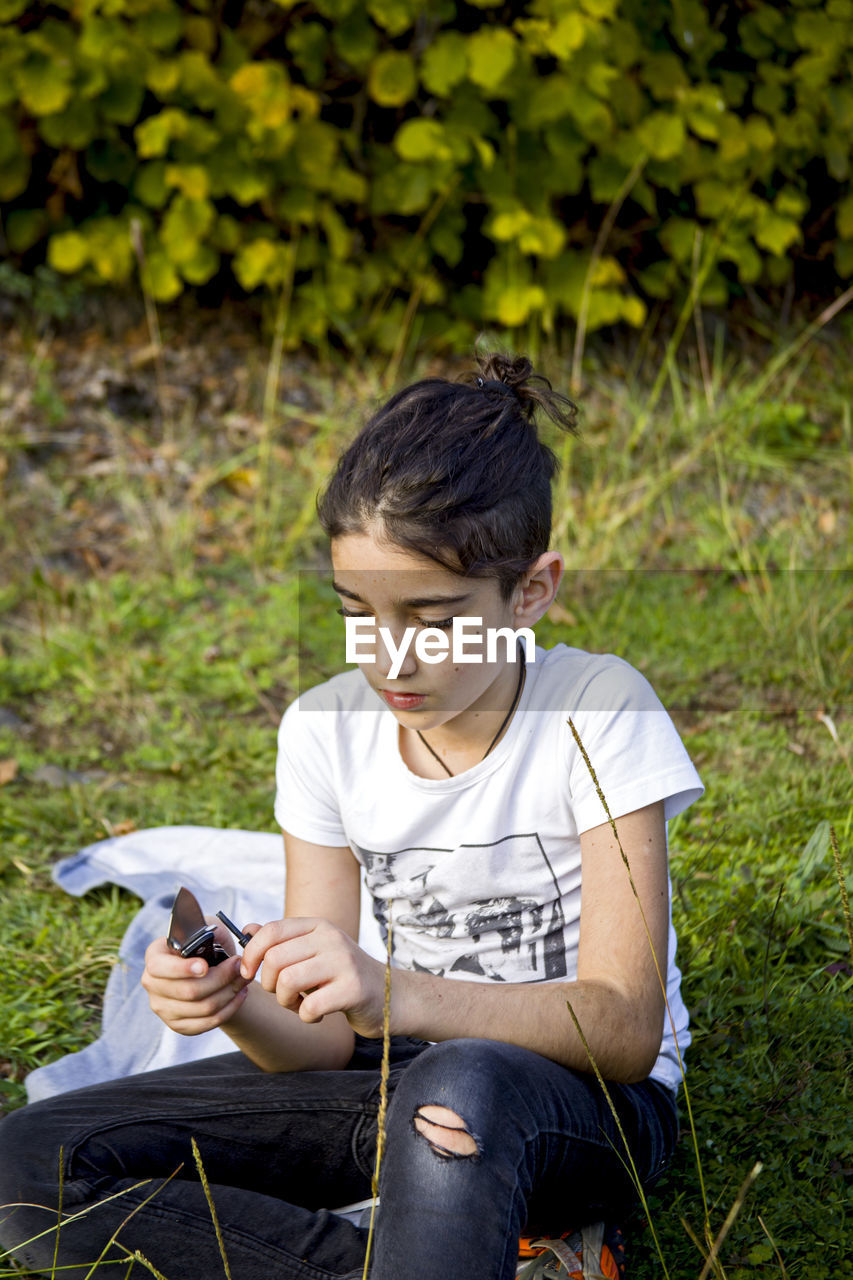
x=711, y=549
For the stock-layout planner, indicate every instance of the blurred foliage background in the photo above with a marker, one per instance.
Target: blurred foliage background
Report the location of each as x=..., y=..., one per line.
x=388, y=167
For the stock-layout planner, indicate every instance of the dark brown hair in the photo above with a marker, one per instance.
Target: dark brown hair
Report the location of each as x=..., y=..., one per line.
x=456, y=471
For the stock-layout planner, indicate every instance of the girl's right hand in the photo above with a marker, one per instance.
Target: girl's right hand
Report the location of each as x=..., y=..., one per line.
x=187, y=994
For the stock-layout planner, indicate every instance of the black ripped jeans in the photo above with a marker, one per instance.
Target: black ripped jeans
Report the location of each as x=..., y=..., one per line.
x=280, y=1151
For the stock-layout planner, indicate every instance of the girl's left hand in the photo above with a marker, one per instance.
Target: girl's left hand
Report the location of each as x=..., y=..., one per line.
x=314, y=968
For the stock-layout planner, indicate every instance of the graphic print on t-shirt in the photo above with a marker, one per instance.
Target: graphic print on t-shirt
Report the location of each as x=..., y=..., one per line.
x=457, y=911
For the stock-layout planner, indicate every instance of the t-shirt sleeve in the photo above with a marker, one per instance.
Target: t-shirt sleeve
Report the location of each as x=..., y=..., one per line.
x=630, y=743
x=306, y=802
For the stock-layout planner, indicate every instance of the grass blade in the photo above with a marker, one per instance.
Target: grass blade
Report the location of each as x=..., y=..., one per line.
x=383, y=1094
x=209, y=1198
x=711, y=1262
x=842, y=889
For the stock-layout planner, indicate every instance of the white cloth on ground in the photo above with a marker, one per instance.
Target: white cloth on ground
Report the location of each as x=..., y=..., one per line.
x=238, y=872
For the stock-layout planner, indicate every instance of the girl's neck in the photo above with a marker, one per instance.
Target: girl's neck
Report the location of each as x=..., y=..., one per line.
x=466, y=740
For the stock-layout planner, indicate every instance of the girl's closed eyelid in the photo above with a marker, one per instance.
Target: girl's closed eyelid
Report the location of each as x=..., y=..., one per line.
x=441, y=624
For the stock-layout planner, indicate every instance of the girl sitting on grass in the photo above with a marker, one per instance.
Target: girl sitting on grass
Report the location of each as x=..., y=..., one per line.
x=524, y=951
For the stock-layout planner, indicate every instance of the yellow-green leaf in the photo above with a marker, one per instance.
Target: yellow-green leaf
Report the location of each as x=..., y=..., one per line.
x=509, y=223
x=568, y=35
x=678, y=237
x=444, y=64
x=191, y=179
x=74, y=127
x=843, y=256
x=149, y=184
x=264, y=87
x=163, y=76
x=67, y=251
x=634, y=312
x=516, y=302
x=14, y=176
x=257, y=263
x=422, y=140
x=24, y=228
x=44, y=86
x=338, y=234
x=662, y=135
x=543, y=236
x=355, y=40
x=600, y=8
x=607, y=271
x=844, y=218
x=394, y=16
x=154, y=134
x=491, y=56
x=159, y=277
x=110, y=250
x=791, y=203
x=776, y=234
x=186, y=222
x=202, y=266
x=392, y=81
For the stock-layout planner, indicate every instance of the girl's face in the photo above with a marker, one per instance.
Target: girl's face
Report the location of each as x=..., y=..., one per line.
x=399, y=591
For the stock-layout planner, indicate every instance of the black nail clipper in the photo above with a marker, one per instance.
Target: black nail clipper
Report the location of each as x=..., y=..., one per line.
x=190, y=934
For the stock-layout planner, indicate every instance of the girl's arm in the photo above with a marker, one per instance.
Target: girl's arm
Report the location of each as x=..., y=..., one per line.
x=316, y=970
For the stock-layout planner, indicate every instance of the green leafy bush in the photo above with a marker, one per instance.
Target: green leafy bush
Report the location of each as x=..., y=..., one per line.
x=376, y=160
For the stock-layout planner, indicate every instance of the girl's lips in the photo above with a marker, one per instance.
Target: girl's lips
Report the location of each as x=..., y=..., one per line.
x=403, y=701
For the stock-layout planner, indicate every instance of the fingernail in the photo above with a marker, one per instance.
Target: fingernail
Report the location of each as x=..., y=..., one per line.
x=198, y=966
x=244, y=972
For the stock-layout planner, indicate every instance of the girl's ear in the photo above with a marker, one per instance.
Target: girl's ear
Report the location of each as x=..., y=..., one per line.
x=535, y=593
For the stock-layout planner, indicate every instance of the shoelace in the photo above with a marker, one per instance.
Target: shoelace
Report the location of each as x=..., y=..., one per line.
x=559, y=1259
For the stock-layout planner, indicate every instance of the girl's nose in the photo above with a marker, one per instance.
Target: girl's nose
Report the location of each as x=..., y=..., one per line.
x=395, y=652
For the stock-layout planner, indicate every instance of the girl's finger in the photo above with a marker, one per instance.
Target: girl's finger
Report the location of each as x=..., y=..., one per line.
x=190, y=980
x=174, y=1011
x=197, y=1026
x=276, y=933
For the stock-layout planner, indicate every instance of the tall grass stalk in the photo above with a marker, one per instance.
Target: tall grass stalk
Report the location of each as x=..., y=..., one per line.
x=661, y=980
x=842, y=889
x=59, y=1200
x=154, y=335
x=138, y=1256
x=783, y=1270
x=209, y=1198
x=382, y=1114
x=699, y=276
x=833, y=733
x=628, y=1155
x=711, y=1262
x=75, y=1217
x=601, y=239
x=699, y=327
x=114, y=1237
x=264, y=507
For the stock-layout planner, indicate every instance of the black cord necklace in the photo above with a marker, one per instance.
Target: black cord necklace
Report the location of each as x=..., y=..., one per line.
x=504, y=722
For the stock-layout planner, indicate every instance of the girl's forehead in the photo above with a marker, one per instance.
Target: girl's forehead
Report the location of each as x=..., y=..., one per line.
x=366, y=566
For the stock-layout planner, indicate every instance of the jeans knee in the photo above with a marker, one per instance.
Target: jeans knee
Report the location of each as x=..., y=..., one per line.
x=454, y=1092
x=445, y=1131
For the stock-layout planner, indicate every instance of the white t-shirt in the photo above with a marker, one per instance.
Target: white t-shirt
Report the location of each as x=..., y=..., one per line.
x=483, y=870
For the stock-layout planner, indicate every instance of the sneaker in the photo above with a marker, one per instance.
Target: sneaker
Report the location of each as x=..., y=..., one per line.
x=593, y=1253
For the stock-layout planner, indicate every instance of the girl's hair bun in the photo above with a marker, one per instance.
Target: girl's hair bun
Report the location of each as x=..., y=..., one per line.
x=456, y=471
x=500, y=373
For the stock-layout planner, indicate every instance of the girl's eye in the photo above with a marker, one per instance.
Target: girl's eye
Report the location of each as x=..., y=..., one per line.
x=443, y=625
